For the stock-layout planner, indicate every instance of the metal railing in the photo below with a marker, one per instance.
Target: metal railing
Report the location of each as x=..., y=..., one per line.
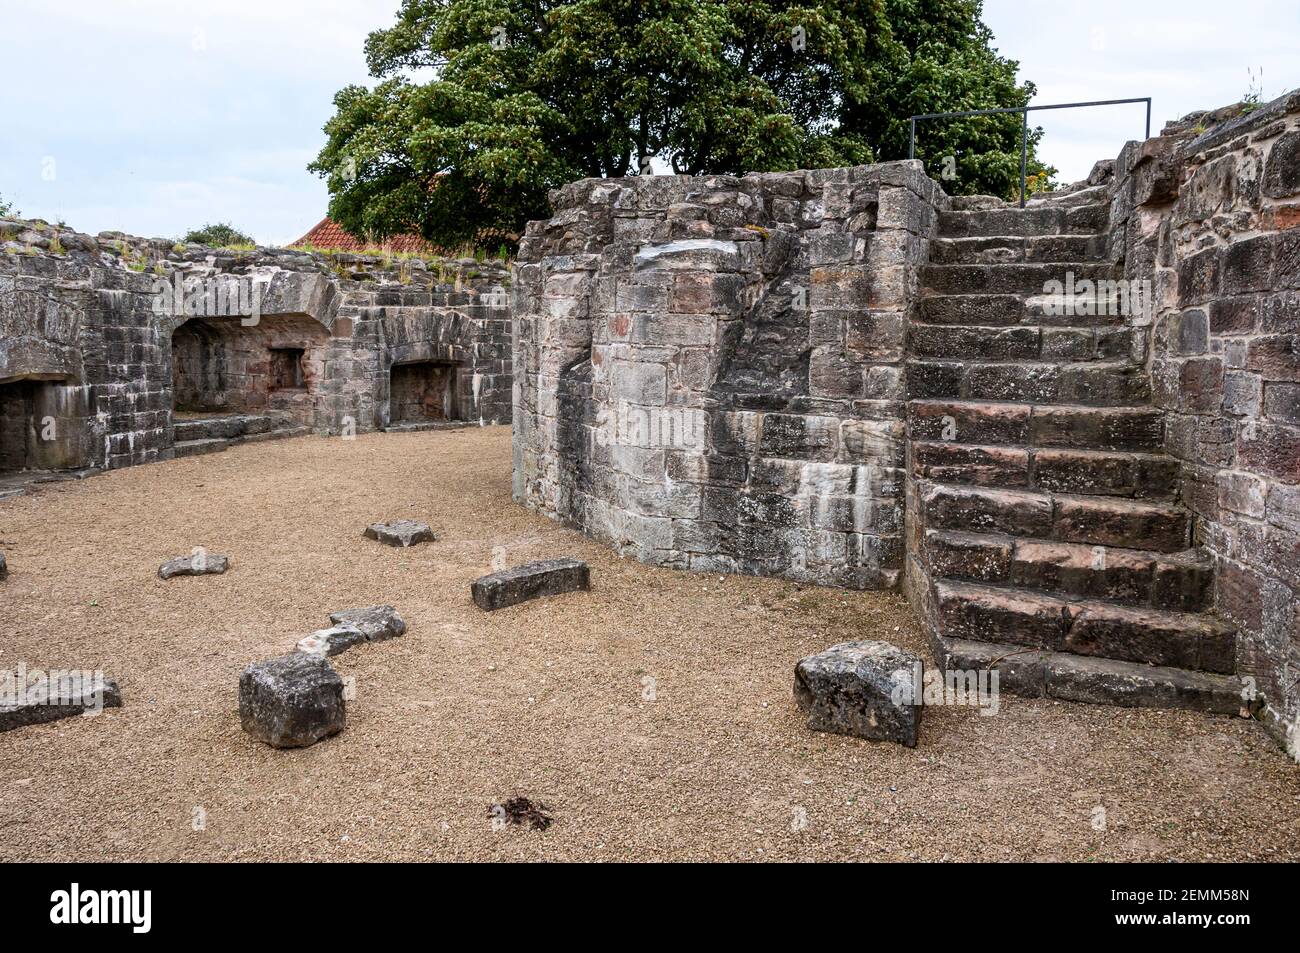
x=1024, y=126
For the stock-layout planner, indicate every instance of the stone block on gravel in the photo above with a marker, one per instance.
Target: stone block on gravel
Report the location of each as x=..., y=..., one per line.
x=4, y=568
x=375, y=623
x=401, y=533
x=865, y=689
x=204, y=565
x=292, y=701
x=549, y=577
x=332, y=641
x=49, y=699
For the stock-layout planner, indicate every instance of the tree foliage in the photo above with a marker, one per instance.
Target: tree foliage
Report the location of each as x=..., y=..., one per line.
x=7, y=209
x=220, y=235
x=482, y=106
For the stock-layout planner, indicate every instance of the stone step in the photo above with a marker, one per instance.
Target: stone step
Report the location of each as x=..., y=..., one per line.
x=422, y=426
x=1023, y=342
x=1095, y=384
x=1004, y=310
x=1095, y=520
x=1009, y=249
x=194, y=448
x=283, y=433
x=1051, y=470
x=1090, y=195
x=1096, y=681
x=1016, y=278
x=1134, y=429
x=191, y=448
x=1178, y=581
x=226, y=426
x=1039, y=220
x=981, y=613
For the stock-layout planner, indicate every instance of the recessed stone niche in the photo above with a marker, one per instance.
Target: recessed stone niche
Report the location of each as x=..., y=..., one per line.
x=222, y=366
x=423, y=391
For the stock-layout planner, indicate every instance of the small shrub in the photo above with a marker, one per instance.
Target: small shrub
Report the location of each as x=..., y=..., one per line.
x=220, y=235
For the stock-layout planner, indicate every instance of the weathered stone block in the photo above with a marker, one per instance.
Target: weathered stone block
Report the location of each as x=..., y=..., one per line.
x=1282, y=168
x=639, y=383
x=1242, y=493
x=1242, y=393
x=56, y=696
x=1275, y=357
x=866, y=689
x=1248, y=265
x=1282, y=403
x=967, y=555
x=375, y=623
x=789, y=435
x=545, y=578
x=1198, y=277
x=401, y=533
x=330, y=641
x=1234, y=315
x=981, y=510
x=292, y=701
x=199, y=564
x=1271, y=449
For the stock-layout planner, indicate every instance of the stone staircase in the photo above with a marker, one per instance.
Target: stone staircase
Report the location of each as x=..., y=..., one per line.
x=199, y=435
x=1050, y=539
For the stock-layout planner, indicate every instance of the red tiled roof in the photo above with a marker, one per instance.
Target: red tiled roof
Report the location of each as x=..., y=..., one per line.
x=330, y=234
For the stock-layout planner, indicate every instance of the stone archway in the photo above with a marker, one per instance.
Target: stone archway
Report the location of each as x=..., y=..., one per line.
x=222, y=366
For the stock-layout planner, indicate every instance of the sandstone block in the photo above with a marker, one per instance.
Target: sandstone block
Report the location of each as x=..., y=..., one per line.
x=864, y=689
x=401, y=533
x=331, y=641
x=60, y=696
x=292, y=701
x=548, y=577
x=200, y=564
x=375, y=623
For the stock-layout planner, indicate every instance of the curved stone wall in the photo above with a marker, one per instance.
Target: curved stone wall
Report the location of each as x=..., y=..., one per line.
x=709, y=370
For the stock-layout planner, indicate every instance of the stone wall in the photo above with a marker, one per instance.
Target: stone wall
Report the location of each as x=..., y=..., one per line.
x=1213, y=220
x=709, y=370
x=709, y=375
x=87, y=326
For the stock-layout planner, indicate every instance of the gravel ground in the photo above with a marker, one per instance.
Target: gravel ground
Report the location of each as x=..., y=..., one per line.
x=545, y=699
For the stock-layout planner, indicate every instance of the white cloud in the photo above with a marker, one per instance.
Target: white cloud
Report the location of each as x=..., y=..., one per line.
x=162, y=115
x=1184, y=54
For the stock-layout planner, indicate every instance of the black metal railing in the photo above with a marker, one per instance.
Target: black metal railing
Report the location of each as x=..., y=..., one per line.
x=1024, y=126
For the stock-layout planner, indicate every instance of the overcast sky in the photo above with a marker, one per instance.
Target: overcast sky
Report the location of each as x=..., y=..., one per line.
x=155, y=116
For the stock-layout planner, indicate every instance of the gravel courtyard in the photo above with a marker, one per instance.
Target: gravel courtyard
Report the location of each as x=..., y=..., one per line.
x=546, y=699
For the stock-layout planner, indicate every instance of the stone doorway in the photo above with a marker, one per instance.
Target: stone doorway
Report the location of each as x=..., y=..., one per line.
x=41, y=426
x=17, y=426
x=422, y=391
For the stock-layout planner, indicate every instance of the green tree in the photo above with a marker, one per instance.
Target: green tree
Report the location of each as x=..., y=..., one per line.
x=219, y=235
x=7, y=209
x=945, y=62
x=526, y=95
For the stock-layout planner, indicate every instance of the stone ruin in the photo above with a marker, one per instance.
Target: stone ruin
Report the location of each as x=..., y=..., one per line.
x=116, y=351
x=1070, y=432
